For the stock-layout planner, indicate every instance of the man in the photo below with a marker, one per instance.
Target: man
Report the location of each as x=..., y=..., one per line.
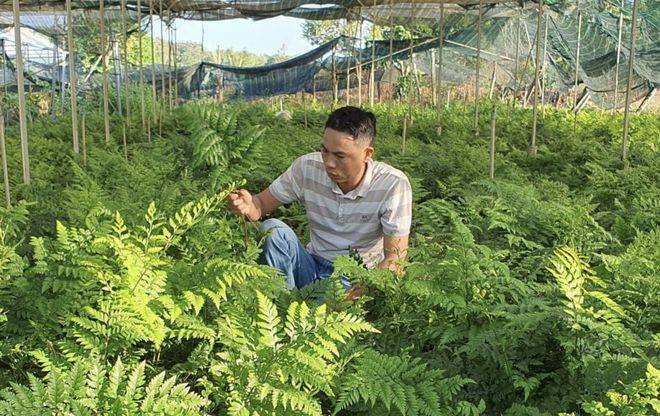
x=352, y=203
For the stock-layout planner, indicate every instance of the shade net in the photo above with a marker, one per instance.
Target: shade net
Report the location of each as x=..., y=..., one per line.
x=577, y=44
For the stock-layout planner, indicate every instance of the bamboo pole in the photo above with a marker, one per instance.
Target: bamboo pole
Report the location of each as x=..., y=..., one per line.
x=62, y=73
x=84, y=140
x=577, y=58
x=3, y=154
x=348, y=71
x=162, y=69
x=304, y=101
x=106, y=108
x=533, y=149
x=153, y=64
x=359, y=68
x=143, y=110
x=491, y=165
x=441, y=44
x=176, y=70
x=372, y=70
x=4, y=64
x=335, y=86
x=631, y=62
x=390, y=65
x=127, y=83
x=543, y=65
x=477, y=81
x=72, y=79
x=124, y=142
x=492, y=81
x=53, y=76
x=117, y=68
x=169, y=61
x=434, y=81
x=21, y=93
x=314, y=88
x=618, y=59
x=515, y=69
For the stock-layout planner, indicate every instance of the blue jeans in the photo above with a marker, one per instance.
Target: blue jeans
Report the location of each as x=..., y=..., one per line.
x=284, y=251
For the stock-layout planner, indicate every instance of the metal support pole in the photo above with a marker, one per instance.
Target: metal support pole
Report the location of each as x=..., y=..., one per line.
x=21, y=93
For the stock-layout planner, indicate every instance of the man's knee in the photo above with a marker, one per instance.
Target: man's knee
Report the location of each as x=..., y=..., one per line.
x=271, y=223
x=277, y=230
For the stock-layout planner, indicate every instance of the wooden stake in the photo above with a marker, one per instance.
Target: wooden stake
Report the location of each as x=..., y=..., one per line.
x=21, y=93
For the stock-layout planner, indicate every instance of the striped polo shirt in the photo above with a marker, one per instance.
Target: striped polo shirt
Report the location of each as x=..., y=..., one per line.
x=358, y=220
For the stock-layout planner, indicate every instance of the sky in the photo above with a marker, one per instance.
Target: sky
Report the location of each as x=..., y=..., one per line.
x=261, y=37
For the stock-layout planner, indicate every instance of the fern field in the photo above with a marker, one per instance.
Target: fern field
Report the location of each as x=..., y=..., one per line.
x=128, y=288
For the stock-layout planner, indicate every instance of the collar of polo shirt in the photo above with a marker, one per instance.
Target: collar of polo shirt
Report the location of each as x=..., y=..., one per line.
x=362, y=188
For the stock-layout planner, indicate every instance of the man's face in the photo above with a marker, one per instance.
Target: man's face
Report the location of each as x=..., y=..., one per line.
x=344, y=158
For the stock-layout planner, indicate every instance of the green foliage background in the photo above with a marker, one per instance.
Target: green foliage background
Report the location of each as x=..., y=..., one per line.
x=126, y=287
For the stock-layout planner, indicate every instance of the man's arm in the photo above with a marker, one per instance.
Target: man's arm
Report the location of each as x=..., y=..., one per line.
x=251, y=206
x=395, y=250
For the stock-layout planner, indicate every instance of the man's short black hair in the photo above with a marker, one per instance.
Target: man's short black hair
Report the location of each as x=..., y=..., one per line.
x=360, y=124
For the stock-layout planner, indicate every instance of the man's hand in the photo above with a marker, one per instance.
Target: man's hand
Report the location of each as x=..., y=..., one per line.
x=241, y=203
x=246, y=205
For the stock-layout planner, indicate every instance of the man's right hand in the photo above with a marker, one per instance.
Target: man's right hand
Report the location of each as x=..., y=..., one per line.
x=241, y=203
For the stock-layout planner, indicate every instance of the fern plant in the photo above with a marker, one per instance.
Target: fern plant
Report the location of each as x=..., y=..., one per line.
x=222, y=148
x=638, y=398
x=91, y=388
x=402, y=386
x=281, y=365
